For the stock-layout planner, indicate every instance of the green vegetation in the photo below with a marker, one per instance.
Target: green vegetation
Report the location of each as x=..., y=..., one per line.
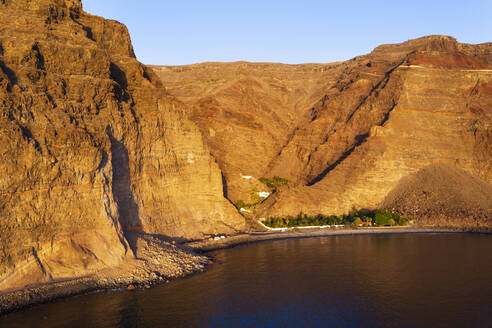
x=385, y=218
x=254, y=199
x=274, y=183
x=241, y=204
x=353, y=219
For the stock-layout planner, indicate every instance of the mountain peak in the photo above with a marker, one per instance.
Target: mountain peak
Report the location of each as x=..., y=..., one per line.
x=41, y=4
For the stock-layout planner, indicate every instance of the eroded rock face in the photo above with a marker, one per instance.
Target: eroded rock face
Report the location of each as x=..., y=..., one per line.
x=378, y=118
x=93, y=150
x=247, y=111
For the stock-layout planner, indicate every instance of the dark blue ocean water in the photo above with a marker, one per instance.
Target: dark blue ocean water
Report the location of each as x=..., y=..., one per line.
x=414, y=280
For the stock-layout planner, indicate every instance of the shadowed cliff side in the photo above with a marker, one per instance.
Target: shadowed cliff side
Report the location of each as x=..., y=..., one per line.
x=122, y=193
x=95, y=154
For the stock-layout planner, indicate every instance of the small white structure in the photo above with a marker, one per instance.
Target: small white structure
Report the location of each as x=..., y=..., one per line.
x=247, y=177
x=264, y=194
x=245, y=210
x=190, y=158
x=314, y=227
x=272, y=229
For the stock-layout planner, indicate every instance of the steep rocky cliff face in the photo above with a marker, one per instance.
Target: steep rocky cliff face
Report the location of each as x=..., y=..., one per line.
x=94, y=152
x=247, y=111
x=377, y=118
x=102, y=159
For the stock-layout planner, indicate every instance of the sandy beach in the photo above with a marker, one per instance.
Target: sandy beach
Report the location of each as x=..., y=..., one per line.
x=252, y=237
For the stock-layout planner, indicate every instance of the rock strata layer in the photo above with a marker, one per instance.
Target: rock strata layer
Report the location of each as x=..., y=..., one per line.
x=94, y=152
x=343, y=134
x=106, y=163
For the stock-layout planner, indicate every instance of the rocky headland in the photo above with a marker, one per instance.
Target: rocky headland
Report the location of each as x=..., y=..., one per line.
x=95, y=154
x=111, y=170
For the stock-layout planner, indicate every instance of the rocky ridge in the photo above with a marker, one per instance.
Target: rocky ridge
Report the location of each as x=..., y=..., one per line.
x=96, y=155
x=107, y=163
x=247, y=111
x=378, y=118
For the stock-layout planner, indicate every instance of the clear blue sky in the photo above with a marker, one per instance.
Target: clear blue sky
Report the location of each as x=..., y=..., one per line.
x=190, y=31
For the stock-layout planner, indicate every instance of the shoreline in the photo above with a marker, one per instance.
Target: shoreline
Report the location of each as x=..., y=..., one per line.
x=18, y=300
x=209, y=245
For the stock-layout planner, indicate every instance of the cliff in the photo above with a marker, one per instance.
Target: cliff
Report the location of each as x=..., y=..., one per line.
x=95, y=154
x=105, y=163
x=247, y=112
x=344, y=134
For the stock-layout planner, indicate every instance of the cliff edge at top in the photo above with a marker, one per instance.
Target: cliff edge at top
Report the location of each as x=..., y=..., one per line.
x=95, y=154
x=343, y=134
x=103, y=168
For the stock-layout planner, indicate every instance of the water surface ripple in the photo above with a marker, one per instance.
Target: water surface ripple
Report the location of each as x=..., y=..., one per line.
x=414, y=280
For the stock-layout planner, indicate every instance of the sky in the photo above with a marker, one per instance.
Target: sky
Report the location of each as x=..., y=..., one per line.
x=305, y=31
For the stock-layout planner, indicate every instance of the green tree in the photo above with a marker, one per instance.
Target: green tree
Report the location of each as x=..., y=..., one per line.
x=274, y=183
x=357, y=222
x=382, y=218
